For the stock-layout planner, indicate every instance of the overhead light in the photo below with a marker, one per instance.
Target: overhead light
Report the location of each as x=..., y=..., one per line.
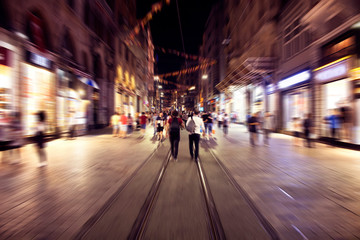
x=205, y=76
x=23, y=36
x=156, y=78
x=160, y=86
x=356, y=25
x=192, y=88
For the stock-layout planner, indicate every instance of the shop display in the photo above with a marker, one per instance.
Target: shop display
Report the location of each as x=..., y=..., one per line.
x=38, y=95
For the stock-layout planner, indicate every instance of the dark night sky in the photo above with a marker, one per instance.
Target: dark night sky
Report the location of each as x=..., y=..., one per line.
x=166, y=32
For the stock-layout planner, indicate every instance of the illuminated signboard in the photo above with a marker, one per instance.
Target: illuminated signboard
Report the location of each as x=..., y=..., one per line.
x=38, y=60
x=332, y=72
x=295, y=79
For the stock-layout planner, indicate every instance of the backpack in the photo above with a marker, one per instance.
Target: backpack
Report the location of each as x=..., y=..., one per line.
x=190, y=127
x=174, y=127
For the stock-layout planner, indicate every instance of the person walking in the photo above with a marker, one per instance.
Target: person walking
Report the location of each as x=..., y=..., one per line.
x=72, y=125
x=253, y=125
x=204, y=117
x=17, y=141
x=334, y=124
x=130, y=122
x=40, y=138
x=173, y=128
x=307, y=125
x=225, y=124
x=123, y=125
x=296, y=127
x=154, y=117
x=143, y=120
x=267, y=126
x=193, y=126
x=210, y=124
x=220, y=118
x=160, y=126
x=115, y=124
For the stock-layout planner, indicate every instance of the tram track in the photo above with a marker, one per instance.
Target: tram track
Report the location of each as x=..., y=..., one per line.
x=216, y=230
x=263, y=221
x=98, y=223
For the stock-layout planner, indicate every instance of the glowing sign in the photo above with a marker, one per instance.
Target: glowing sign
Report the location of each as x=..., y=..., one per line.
x=38, y=60
x=333, y=72
x=295, y=79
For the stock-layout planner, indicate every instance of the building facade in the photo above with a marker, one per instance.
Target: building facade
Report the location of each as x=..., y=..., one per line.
x=62, y=57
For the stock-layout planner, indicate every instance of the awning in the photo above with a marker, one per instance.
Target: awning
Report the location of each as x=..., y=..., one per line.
x=89, y=82
x=251, y=70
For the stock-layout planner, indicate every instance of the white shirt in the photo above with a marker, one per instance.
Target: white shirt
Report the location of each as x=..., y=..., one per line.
x=198, y=123
x=221, y=117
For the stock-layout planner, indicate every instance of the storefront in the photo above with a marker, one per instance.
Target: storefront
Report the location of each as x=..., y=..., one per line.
x=239, y=104
x=355, y=77
x=336, y=94
x=295, y=97
x=257, y=101
x=7, y=81
x=38, y=92
x=72, y=102
x=271, y=99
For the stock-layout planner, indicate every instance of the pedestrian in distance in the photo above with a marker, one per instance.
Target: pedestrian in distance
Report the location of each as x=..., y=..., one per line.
x=220, y=117
x=115, y=124
x=204, y=117
x=225, y=124
x=193, y=126
x=154, y=117
x=143, y=120
x=210, y=124
x=160, y=126
x=308, y=131
x=173, y=126
x=40, y=138
x=333, y=120
x=267, y=126
x=17, y=139
x=72, y=125
x=296, y=127
x=123, y=125
x=253, y=128
x=130, y=122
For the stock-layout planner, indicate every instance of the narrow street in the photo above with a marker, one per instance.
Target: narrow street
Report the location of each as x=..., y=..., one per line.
x=301, y=193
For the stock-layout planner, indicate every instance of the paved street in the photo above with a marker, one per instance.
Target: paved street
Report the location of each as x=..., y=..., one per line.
x=55, y=201
x=303, y=193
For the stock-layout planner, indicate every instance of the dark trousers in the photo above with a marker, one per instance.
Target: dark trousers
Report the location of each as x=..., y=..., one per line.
x=225, y=129
x=174, y=141
x=266, y=135
x=307, y=140
x=194, y=139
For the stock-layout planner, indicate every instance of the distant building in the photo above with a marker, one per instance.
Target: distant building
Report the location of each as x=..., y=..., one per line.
x=212, y=48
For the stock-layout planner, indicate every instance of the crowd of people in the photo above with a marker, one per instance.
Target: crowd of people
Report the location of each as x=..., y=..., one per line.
x=167, y=125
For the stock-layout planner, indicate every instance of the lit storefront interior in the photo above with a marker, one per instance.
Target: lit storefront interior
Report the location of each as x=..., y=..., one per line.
x=336, y=95
x=295, y=97
x=38, y=95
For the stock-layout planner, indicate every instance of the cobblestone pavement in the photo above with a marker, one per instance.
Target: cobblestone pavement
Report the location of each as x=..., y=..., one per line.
x=53, y=202
x=305, y=193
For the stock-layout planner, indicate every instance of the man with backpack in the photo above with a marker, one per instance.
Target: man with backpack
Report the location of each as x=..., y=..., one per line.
x=193, y=126
x=173, y=128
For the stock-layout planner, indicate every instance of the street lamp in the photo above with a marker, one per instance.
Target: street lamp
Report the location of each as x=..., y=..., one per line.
x=204, y=76
x=156, y=78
